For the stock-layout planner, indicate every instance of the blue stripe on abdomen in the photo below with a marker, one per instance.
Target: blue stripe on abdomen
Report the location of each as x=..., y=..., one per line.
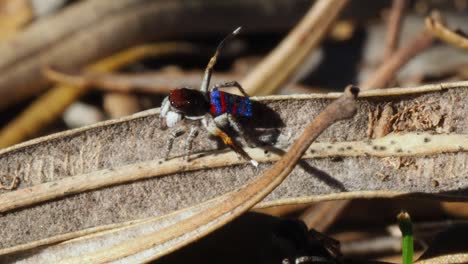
x=244, y=107
x=236, y=105
x=215, y=101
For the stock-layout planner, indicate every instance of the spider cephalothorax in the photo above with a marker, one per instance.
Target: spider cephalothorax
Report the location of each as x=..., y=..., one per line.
x=189, y=102
x=215, y=109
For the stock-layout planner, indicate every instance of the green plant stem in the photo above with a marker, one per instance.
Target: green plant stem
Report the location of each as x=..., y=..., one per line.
x=406, y=227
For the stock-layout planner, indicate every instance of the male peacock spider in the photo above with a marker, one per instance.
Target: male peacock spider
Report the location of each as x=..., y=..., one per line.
x=214, y=108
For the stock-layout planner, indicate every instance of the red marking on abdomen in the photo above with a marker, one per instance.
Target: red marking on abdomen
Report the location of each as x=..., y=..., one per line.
x=234, y=109
x=213, y=109
x=223, y=102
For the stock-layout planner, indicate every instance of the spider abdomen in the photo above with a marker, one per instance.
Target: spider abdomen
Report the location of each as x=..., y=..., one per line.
x=222, y=102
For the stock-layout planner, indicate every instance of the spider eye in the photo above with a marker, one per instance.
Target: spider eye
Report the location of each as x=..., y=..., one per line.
x=189, y=102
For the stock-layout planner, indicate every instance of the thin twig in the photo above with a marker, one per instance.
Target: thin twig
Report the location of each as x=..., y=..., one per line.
x=437, y=27
x=387, y=71
x=275, y=69
x=394, y=28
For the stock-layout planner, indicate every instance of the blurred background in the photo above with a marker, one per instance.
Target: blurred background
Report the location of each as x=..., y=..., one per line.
x=67, y=64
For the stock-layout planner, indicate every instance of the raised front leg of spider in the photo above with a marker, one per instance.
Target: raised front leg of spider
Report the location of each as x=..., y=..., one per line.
x=214, y=108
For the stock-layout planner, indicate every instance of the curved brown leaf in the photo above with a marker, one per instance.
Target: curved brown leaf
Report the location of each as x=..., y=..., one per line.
x=134, y=143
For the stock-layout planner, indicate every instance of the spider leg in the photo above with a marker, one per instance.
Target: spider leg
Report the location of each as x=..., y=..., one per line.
x=165, y=106
x=209, y=68
x=213, y=128
x=231, y=84
x=188, y=143
x=230, y=119
x=221, y=120
x=170, y=141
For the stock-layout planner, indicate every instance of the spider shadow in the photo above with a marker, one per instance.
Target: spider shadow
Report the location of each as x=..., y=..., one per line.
x=263, y=130
x=315, y=172
x=264, y=127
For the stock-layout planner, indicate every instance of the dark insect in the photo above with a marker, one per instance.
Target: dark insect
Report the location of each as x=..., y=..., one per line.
x=214, y=108
x=293, y=243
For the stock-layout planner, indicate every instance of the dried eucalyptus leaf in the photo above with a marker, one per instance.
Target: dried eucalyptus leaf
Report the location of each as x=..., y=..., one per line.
x=344, y=163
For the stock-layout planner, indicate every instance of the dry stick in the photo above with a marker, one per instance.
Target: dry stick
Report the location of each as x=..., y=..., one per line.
x=239, y=201
x=387, y=71
x=394, y=28
x=274, y=70
x=50, y=106
x=436, y=26
x=121, y=24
